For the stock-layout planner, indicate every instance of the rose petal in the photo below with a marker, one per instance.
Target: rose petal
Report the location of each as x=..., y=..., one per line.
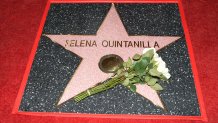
x=147, y=49
x=167, y=75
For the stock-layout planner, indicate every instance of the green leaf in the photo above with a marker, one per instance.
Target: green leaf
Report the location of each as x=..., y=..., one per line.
x=124, y=64
x=147, y=78
x=152, y=81
x=126, y=82
x=134, y=80
x=157, y=87
x=163, y=78
x=136, y=57
x=150, y=66
x=130, y=76
x=149, y=53
x=126, y=74
x=154, y=72
x=142, y=82
x=140, y=66
x=146, y=58
x=129, y=62
x=119, y=71
x=132, y=87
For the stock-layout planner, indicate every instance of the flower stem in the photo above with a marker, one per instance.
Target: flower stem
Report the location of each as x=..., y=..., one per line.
x=99, y=88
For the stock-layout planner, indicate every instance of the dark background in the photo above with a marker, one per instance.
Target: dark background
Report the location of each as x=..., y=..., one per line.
x=19, y=21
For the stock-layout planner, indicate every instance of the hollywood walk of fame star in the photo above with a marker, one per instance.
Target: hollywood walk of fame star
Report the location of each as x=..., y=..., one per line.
x=88, y=73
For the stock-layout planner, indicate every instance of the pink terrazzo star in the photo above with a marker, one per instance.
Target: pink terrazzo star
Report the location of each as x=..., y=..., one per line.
x=88, y=73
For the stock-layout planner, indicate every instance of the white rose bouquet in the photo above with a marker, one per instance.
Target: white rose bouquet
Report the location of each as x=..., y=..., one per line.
x=147, y=68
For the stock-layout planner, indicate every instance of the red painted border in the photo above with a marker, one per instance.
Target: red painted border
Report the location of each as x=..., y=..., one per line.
x=120, y=116
x=193, y=63
x=114, y=1
x=30, y=61
x=123, y=116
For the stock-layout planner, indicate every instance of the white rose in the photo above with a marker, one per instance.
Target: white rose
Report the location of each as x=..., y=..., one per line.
x=158, y=61
x=161, y=67
x=167, y=75
x=155, y=55
x=147, y=49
